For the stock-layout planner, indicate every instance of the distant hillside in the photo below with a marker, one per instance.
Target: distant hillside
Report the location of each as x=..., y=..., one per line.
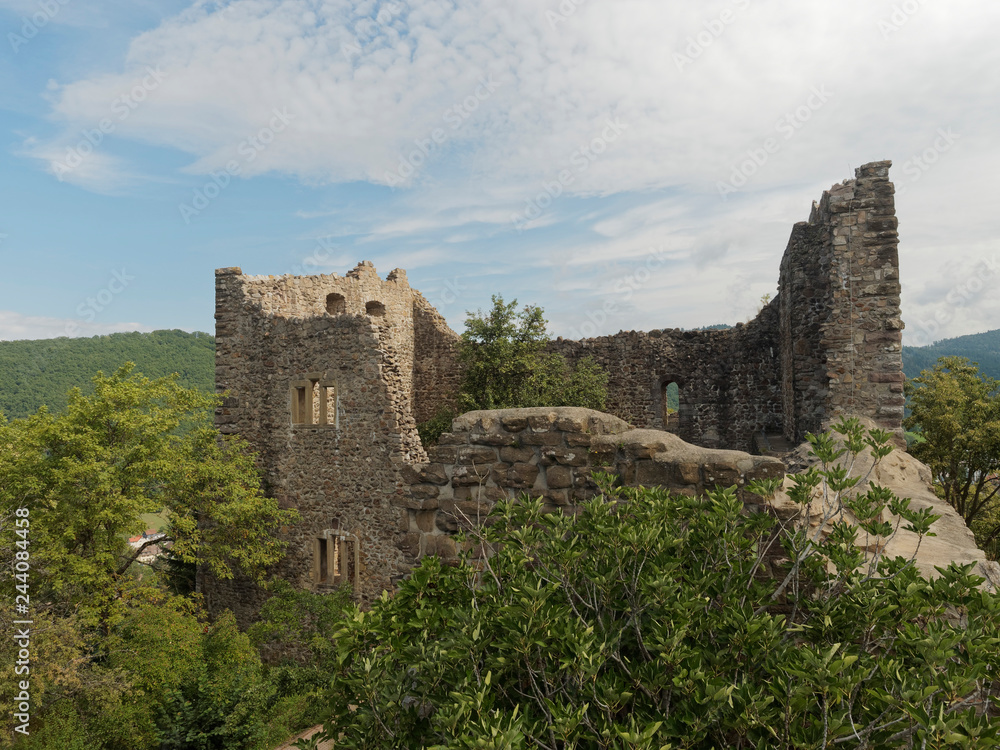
x=39, y=372
x=983, y=348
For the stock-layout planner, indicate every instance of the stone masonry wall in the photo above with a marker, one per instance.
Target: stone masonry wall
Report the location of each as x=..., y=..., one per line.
x=829, y=343
x=340, y=468
x=727, y=379
x=548, y=453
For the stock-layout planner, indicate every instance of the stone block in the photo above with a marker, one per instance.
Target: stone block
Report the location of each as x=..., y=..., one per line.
x=409, y=543
x=558, y=477
x=490, y=438
x=722, y=474
x=556, y=497
x=653, y=473
x=476, y=455
x=414, y=503
x=514, y=424
x=542, y=438
x=568, y=457
x=519, y=476
x=425, y=520
x=516, y=455
x=441, y=545
x=424, y=491
x=541, y=422
x=571, y=424
x=468, y=476
x=444, y=454
x=577, y=440
x=688, y=473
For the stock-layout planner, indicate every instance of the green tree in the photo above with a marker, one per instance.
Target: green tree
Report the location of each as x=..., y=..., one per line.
x=135, y=446
x=645, y=621
x=73, y=487
x=956, y=410
x=506, y=366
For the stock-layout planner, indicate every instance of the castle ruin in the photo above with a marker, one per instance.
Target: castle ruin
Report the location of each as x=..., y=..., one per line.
x=328, y=376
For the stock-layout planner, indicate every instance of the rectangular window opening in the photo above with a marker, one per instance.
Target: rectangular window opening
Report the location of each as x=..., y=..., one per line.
x=298, y=405
x=323, y=574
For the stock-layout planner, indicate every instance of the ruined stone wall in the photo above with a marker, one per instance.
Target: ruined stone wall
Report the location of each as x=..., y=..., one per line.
x=840, y=320
x=549, y=453
x=340, y=467
x=352, y=462
x=828, y=344
x=436, y=371
x=726, y=379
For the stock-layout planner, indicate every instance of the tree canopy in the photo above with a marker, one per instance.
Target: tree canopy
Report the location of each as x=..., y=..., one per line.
x=653, y=621
x=116, y=660
x=505, y=365
x=957, y=412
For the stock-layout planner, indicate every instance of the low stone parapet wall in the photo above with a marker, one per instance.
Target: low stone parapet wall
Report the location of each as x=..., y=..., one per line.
x=550, y=453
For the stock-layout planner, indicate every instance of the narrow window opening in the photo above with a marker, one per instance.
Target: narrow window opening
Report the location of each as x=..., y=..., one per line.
x=314, y=403
x=328, y=404
x=375, y=308
x=336, y=558
x=336, y=304
x=299, y=404
x=324, y=568
x=671, y=407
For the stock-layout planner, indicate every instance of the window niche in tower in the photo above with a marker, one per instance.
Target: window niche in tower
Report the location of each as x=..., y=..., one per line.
x=314, y=402
x=336, y=558
x=336, y=304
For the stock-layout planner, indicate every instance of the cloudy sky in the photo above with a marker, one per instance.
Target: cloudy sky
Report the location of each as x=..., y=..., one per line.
x=626, y=164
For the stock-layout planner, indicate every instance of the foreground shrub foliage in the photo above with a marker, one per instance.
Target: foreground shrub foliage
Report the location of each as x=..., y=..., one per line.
x=655, y=621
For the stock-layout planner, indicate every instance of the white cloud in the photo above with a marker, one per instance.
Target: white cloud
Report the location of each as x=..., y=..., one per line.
x=675, y=97
x=14, y=325
x=89, y=168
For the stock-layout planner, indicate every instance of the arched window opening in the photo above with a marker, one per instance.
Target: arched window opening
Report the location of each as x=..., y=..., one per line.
x=336, y=304
x=375, y=309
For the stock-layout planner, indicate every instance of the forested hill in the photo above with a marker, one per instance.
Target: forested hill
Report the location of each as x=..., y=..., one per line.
x=39, y=372
x=983, y=348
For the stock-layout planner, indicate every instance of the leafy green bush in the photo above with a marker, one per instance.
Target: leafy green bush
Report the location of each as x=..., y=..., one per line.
x=655, y=621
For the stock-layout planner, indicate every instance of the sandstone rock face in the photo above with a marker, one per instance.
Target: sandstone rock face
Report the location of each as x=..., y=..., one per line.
x=909, y=478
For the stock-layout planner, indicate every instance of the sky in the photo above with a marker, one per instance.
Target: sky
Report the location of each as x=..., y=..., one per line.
x=625, y=164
